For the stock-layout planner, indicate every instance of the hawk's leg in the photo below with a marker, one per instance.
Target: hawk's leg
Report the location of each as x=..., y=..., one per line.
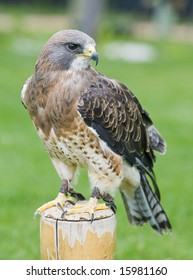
x=92, y=205
x=109, y=201
x=61, y=199
x=107, y=198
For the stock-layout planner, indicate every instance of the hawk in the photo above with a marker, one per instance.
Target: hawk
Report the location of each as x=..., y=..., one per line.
x=88, y=120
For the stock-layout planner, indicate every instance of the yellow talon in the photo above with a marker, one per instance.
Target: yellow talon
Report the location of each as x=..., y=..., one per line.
x=60, y=199
x=89, y=207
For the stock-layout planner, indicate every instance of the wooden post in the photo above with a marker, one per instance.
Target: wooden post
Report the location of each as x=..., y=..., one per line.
x=75, y=237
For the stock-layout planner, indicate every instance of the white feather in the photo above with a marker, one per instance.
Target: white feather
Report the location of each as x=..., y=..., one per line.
x=131, y=174
x=79, y=63
x=23, y=91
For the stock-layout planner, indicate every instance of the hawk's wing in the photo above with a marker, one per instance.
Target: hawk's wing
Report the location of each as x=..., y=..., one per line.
x=120, y=121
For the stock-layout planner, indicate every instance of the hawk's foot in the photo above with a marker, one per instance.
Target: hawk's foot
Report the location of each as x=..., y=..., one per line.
x=61, y=199
x=92, y=205
x=107, y=198
x=89, y=207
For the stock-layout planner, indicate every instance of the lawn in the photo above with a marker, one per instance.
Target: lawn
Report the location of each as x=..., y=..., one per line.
x=28, y=179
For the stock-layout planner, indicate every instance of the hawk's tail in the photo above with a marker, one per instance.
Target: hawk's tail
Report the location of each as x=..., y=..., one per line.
x=145, y=207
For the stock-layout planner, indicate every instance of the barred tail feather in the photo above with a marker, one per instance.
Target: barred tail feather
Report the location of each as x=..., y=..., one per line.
x=145, y=207
x=134, y=213
x=151, y=207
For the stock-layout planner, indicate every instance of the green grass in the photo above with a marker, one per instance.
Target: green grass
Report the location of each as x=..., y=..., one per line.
x=28, y=178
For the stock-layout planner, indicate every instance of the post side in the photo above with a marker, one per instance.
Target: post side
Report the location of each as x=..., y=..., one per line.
x=75, y=237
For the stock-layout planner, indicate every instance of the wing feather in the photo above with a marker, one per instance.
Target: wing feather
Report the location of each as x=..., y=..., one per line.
x=118, y=118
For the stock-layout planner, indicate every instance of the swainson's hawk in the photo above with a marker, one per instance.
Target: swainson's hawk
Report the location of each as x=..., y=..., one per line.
x=85, y=119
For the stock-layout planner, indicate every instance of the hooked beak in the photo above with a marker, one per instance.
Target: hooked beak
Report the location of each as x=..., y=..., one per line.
x=91, y=53
x=95, y=57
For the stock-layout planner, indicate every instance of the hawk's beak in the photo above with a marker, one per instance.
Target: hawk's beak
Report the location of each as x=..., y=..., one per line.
x=92, y=54
x=95, y=57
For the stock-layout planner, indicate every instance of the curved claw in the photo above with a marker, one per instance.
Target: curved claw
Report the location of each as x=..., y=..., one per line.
x=92, y=218
x=60, y=206
x=112, y=206
x=70, y=201
x=63, y=214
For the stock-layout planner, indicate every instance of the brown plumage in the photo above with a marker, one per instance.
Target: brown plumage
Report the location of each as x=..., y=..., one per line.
x=88, y=120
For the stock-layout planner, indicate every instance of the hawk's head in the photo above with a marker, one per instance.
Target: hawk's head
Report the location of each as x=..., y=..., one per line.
x=68, y=50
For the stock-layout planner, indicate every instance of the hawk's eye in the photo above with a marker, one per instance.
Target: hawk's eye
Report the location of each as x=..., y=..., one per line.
x=72, y=47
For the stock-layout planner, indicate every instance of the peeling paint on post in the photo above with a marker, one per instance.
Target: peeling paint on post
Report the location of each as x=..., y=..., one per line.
x=75, y=237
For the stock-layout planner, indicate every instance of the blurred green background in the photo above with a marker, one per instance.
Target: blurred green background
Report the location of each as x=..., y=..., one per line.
x=162, y=79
